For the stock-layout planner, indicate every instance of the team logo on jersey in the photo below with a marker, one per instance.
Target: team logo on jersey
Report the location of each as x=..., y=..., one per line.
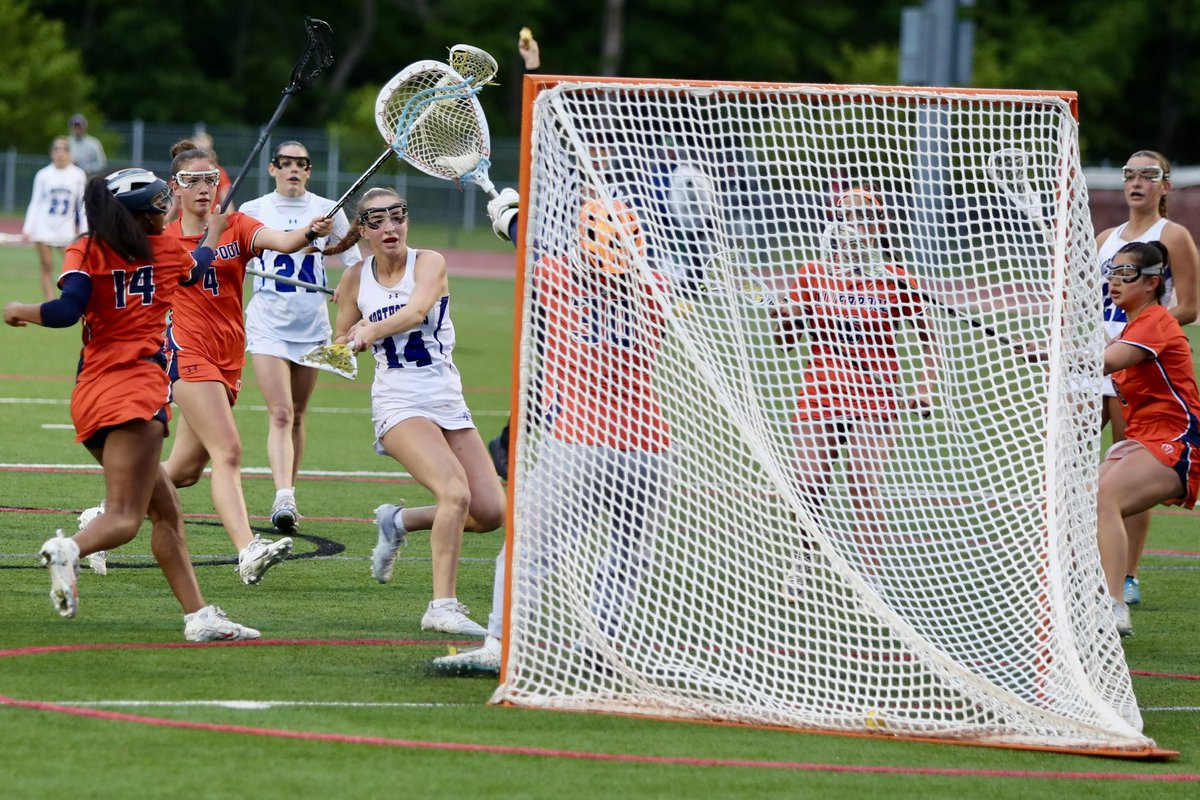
x=229, y=251
x=1168, y=448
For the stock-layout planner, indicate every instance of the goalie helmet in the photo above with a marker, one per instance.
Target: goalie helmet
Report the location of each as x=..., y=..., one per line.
x=609, y=234
x=140, y=191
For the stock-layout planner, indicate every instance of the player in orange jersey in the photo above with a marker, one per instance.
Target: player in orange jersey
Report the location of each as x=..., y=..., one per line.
x=1147, y=184
x=208, y=336
x=852, y=390
x=1151, y=364
x=120, y=279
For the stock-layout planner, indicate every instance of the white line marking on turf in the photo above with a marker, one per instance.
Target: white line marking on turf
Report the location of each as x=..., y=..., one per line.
x=250, y=705
x=322, y=473
x=58, y=426
x=54, y=401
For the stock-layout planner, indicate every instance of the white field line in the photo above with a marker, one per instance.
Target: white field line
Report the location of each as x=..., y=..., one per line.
x=57, y=401
x=250, y=705
x=320, y=473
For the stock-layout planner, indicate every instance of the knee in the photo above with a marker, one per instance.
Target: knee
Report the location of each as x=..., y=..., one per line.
x=125, y=526
x=228, y=457
x=182, y=476
x=281, y=416
x=486, y=517
x=455, y=497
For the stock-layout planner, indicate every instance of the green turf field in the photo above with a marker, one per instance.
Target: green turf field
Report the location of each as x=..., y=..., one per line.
x=352, y=709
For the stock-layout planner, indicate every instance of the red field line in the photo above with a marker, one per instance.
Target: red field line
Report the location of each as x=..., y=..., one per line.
x=537, y=752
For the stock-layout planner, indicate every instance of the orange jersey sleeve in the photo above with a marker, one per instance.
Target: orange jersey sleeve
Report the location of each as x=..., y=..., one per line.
x=207, y=321
x=1159, y=398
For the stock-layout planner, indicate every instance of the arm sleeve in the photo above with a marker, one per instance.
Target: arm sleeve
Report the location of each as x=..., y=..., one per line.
x=67, y=309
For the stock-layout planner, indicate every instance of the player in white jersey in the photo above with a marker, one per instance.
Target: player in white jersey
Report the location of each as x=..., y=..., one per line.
x=284, y=321
x=1147, y=178
x=55, y=214
x=398, y=303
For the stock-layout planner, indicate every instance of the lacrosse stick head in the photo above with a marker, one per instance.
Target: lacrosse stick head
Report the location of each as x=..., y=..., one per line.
x=1009, y=170
x=849, y=251
x=609, y=236
x=473, y=63
x=429, y=115
x=317, y=58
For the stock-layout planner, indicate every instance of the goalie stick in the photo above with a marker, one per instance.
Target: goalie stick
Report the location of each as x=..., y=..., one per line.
x=403, y=102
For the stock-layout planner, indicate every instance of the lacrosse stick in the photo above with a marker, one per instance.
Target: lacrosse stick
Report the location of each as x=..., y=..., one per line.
x=474, y=64
x=317, y=58
x=285, y=279
x=404, y=101
x=335, y=358
x=1009, y=170
x=439, y=128
x=849, y=252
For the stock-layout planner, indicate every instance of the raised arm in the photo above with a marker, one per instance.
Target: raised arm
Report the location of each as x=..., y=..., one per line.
x=291, y=241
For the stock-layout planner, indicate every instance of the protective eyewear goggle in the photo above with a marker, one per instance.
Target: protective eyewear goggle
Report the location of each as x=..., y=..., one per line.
x=858, y=213
x=374, y=217
x=187, y=179
x=285, y=162
x=1129, y=273
x=1152, y=174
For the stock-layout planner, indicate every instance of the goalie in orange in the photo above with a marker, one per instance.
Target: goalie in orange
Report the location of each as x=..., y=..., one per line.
x=600, y=325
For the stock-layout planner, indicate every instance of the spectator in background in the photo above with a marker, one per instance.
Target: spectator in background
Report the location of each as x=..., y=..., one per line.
x=55, y=214
x=86, y=151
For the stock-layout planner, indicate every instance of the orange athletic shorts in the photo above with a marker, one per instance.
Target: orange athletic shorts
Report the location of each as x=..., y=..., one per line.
x=1181, y=457
x=196, y=369
x=134, y=391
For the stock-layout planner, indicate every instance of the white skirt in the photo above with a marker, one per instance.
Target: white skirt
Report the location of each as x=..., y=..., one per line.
x=259, y=344
x=390, y=411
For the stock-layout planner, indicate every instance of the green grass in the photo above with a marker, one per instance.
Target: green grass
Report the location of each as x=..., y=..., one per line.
x=331, y=597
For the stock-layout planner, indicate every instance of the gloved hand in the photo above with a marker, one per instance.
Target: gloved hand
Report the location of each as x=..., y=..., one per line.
x=502, y=209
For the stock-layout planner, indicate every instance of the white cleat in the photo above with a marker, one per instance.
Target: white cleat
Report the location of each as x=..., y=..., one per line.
x=451, y=619
x=391, y=539
x=481, y=661
x=1123, y=619
x=284, y=514
x=210, y=624
x=61, y=555
x=98, y=561
x=259, y=556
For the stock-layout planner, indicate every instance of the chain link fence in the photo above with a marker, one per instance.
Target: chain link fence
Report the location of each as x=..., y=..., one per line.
x=336, y=165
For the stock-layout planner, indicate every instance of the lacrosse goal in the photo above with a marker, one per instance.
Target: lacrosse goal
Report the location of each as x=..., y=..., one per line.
x=782, y=463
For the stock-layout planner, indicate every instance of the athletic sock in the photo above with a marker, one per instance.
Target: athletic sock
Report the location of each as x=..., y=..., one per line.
x=444, y=602
x=282, y=493
x=398, y=520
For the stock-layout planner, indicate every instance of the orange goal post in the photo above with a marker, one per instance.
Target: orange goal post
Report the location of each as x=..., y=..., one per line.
x=806, y=413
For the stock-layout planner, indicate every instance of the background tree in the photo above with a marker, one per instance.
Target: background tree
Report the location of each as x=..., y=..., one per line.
x=43, y=83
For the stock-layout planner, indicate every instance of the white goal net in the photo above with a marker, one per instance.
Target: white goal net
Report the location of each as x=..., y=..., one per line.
x=808, y=415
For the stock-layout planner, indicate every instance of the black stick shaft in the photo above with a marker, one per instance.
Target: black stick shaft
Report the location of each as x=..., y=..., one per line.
x=258, y=146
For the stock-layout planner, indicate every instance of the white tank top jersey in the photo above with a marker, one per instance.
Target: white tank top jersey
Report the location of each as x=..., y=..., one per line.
x=55, y=214
x=416, y=362
x=292, y=313
x=1114, y=317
